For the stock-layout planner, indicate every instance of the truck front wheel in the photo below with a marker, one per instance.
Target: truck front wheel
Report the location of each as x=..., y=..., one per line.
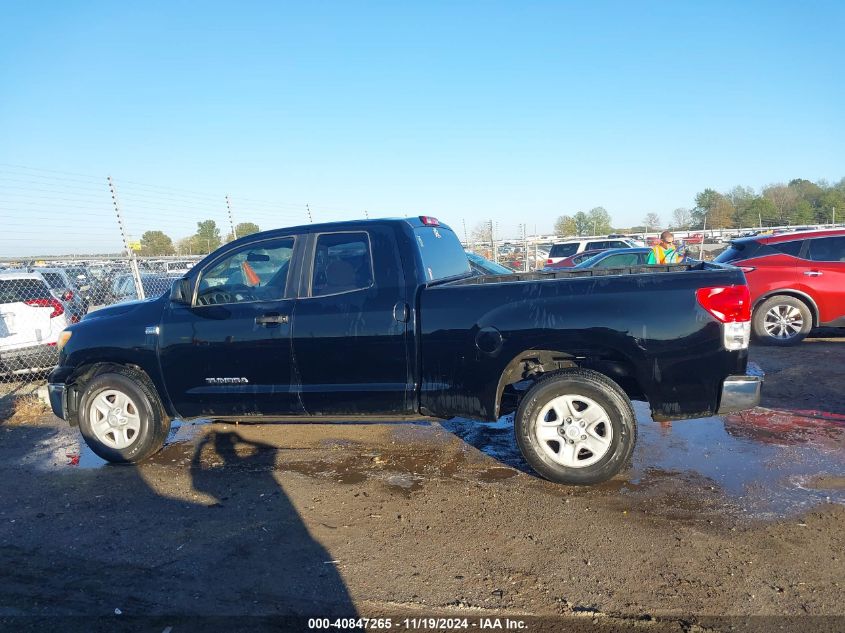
x=121, y=417
x=576, y=427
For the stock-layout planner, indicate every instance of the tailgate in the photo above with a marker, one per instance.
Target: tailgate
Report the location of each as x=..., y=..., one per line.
x=22, y=325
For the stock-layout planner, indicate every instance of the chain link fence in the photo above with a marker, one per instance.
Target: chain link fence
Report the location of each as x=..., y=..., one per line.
x=74, y=243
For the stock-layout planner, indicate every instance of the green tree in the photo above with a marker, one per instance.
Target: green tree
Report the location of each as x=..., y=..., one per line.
x=582, y=224
x=565, y=226
x=156, y=243
x=785, y=199
x=760, y=212
x=207, y=237
x=242, y=229
x=600, y=221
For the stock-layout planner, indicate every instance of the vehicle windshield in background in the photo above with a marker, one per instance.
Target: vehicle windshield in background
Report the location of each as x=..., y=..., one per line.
x=441, y=252
x=486, y=266
x=563, y=250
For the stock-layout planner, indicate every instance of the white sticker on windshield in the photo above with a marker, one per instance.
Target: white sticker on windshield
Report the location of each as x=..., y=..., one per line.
x=436, y=233
x=420, y=240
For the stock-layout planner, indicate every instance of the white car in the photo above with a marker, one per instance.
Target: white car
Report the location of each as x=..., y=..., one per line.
x=562, y=250
x=31, y=319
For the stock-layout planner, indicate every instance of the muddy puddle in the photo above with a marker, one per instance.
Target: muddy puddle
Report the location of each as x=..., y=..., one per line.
x=760, y=464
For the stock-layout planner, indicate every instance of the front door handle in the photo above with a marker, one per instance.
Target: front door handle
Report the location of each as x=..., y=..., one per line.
x=401, y=312
x=813, y=273
x=271, y=319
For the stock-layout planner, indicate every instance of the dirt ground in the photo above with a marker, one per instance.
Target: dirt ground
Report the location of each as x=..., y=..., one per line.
x=720, y=524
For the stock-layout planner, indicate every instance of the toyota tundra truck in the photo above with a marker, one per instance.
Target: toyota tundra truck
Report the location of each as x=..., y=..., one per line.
x=384, y=319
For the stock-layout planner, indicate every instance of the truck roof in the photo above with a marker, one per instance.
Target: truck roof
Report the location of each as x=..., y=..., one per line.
x=326, y=227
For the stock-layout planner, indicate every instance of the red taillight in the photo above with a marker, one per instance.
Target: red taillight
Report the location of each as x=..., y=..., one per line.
x=548, y=261
x=731, y=304
x=68, y=295
x=58, y=310
x=429, y=221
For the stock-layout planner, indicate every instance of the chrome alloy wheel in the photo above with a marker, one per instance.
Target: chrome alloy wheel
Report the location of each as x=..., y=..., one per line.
x=574, y=431
x=115, y=419
x=783, y=321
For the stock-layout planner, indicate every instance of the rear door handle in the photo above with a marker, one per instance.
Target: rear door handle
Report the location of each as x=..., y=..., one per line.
x=813, y=273
x=271, y=319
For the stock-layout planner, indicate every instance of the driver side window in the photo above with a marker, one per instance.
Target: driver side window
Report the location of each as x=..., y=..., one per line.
x=258, y=272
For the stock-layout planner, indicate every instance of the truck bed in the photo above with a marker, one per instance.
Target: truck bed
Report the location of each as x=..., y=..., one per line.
x=583, y=272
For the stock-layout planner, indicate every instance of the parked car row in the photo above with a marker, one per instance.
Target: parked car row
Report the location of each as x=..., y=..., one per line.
x=39, y=301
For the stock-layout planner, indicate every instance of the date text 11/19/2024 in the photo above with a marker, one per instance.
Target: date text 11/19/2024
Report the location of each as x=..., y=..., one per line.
x=414, y=624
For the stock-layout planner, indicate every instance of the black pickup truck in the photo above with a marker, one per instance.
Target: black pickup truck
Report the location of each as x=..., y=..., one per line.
x=383, y=318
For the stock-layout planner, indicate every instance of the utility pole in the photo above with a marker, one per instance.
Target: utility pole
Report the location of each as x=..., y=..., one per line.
x=231, y=222
x=493, y=243
x=133, y=262
x=703, y=233
x=466, y=236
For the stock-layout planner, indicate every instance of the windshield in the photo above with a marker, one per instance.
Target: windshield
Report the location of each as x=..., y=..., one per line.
x=441, y=252
x=486, y=266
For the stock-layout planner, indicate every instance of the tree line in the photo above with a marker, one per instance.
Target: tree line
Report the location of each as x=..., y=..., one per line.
x=798, y=202
x=206, y=239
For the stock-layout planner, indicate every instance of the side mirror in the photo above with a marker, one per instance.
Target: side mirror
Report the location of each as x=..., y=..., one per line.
x=180, y=292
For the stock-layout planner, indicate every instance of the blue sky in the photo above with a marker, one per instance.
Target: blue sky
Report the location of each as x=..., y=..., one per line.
x=515, y=111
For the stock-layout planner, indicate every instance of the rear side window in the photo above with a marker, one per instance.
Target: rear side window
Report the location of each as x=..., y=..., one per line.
x=17, y=290
x=342, y=263
x=441, y=252
x=563, y=250
x=54, y=279
x=743, y=249
x=827, y=249
x=789, y=248
x=598, y=245
x=620, y=260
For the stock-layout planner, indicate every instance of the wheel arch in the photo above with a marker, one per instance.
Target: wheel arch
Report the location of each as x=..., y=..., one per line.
x=533, y=364
x=795, y=294
x=84, y=374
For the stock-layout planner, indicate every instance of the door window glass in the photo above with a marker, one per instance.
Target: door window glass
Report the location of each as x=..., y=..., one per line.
x=827, y=249
x=597, y=246
x=342, y=263
x=256, y=273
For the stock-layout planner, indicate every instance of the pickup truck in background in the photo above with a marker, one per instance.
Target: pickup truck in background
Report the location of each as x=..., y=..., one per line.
x=383, y=318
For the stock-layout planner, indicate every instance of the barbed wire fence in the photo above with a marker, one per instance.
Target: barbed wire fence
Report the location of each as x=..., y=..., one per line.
x=72, y=243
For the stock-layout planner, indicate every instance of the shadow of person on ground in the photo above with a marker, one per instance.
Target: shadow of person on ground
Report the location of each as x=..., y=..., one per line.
x=217, y=546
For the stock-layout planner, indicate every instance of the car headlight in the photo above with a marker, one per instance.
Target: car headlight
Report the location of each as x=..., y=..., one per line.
x=64, y=337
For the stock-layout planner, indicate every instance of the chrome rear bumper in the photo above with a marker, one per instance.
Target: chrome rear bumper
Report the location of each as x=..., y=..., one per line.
x=739, y=393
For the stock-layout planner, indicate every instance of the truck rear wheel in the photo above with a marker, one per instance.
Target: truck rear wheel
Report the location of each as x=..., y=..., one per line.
x=121, y=418
x=576, y=427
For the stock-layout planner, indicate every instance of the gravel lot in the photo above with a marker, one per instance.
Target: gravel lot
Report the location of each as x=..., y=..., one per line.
x=739, y=516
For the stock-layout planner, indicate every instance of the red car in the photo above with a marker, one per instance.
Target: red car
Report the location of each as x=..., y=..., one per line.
x=797, y=281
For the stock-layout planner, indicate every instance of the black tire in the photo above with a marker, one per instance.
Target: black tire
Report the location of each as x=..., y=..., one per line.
x=782, y=304
x=154, y=424
x=604, y=392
